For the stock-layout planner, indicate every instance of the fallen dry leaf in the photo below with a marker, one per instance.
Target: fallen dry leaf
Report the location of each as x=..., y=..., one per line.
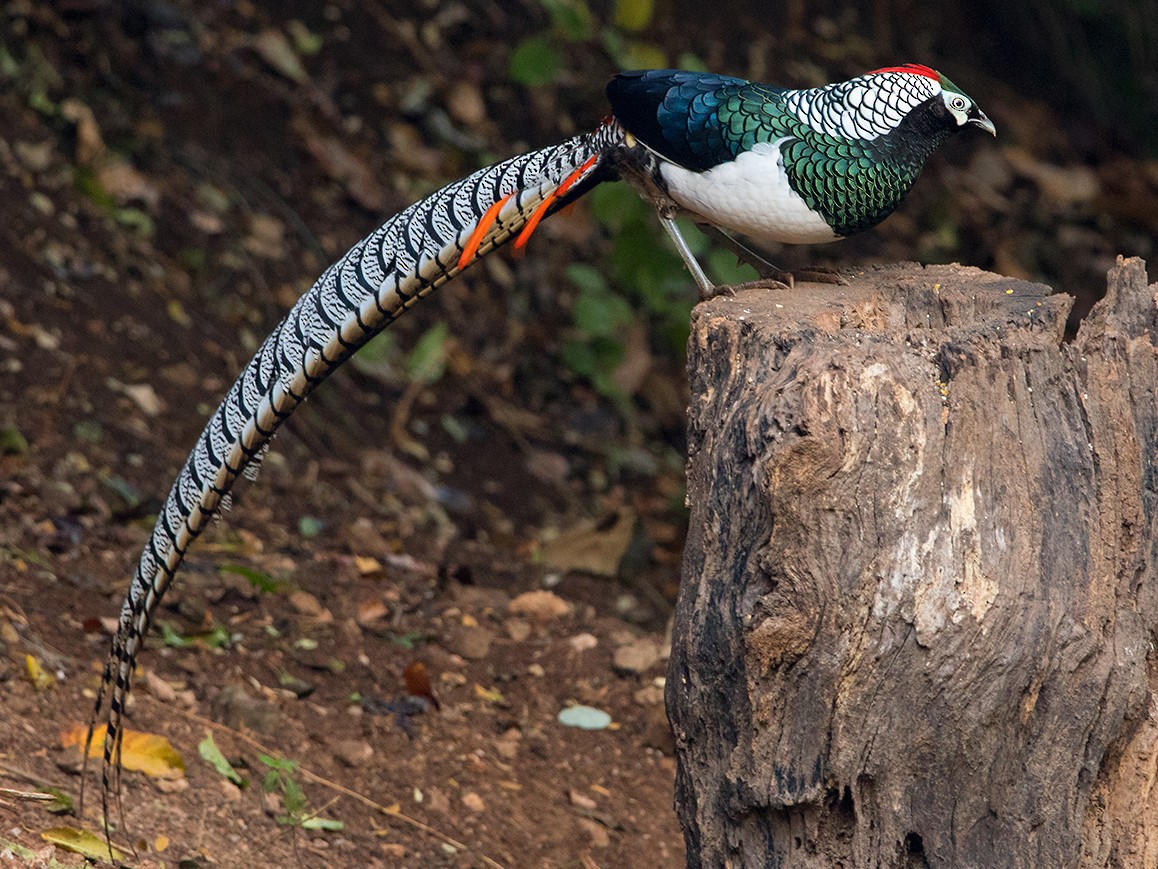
x=89, y=142
x=125, y=183
x=592, y=547
x=145, y=397
x=276, y=50
x=140, y=752
x=540, y=606
x=366, y=565
x=41, y=679
x=81, y=842
x=266, y=237
x=371, y=612
x=418, y=682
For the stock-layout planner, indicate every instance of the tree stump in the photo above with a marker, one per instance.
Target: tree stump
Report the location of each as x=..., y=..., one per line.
x=915, y=626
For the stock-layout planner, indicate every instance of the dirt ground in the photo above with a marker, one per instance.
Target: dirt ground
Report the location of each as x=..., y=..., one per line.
x=174, y=175
x=131, y=290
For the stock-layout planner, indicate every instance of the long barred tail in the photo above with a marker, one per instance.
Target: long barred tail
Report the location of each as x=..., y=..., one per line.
x=407, y=258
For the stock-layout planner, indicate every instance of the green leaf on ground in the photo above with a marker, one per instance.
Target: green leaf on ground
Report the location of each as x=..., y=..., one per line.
x=62, y=802
x=408, y=640
x=88, y=430
x=212, y=755
x=310, y=526
x=305, y=40
x=326, y=824
x=122, y=487
x=259, y=579
x=218, y=638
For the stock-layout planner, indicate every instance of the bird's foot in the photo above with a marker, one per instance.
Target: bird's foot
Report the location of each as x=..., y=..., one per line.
x=771, y=277
x=821, y=276
x=761, y=284
x=779, y=280
x=758, y=284
x=782, y=280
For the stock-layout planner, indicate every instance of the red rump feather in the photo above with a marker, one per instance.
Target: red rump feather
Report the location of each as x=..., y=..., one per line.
x=913, y=68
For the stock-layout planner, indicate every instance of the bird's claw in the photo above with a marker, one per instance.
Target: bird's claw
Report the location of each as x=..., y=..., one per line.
x=822, y=276
x=763, y=284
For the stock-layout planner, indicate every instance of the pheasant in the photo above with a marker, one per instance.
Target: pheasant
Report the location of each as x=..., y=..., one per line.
x=797, y=166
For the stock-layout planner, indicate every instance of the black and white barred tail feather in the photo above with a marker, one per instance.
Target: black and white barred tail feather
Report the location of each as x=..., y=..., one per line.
x=407, y=258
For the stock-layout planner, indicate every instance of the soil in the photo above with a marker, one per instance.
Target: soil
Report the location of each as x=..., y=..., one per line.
x=393, y=539
x=174, y=175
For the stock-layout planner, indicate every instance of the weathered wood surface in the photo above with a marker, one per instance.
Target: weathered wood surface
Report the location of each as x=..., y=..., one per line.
x=919, y=595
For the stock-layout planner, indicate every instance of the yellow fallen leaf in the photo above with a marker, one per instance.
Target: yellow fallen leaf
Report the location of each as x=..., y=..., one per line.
x=367, y=565
x=37, y=675
x=177, y=313
x=161, y=843
x=141, y=752
x=81, y=842
x=393, y=809
x=490, y=695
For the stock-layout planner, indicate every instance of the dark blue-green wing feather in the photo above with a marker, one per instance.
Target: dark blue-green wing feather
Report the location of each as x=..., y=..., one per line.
x=689, y=117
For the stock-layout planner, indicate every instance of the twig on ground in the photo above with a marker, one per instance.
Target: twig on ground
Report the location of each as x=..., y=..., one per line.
x=28, y=796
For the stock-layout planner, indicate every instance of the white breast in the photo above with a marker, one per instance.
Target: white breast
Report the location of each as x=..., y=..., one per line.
x=749, y=195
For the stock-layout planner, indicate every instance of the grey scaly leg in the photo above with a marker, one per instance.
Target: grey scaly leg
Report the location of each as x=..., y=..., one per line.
x=744, y=253
x=707, y=288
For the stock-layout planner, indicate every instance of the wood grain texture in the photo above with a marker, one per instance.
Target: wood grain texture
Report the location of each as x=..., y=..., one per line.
x=919, y=590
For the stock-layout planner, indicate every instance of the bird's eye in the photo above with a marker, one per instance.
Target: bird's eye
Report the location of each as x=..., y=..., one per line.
x=957, y=103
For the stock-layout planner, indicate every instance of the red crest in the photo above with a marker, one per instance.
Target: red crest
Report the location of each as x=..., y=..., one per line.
x=911, y=68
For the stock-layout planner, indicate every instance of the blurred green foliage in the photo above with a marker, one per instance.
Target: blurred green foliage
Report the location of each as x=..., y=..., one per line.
x=538, y=59
x=633, y=15
x=644, y=279
x=535, y=61
x=426, y=363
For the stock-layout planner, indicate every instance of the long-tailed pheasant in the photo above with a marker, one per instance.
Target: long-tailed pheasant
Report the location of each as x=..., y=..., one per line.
x=801, y=166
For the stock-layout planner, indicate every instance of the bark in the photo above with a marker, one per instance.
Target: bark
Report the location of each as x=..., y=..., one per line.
x=916, y=620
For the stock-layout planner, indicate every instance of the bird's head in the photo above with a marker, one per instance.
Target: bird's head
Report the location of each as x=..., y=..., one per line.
x=962, y=108
x=958, y=105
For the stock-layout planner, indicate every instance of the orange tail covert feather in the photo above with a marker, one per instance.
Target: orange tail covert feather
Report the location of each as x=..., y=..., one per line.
x=480, y=231
x=543, y=208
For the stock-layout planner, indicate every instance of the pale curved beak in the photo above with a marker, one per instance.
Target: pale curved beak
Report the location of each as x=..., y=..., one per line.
x=979, y=118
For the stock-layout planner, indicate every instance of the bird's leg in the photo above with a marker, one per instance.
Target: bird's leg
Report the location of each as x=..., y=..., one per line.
x=745, y=254
x=770, y=276
x=707, y=288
